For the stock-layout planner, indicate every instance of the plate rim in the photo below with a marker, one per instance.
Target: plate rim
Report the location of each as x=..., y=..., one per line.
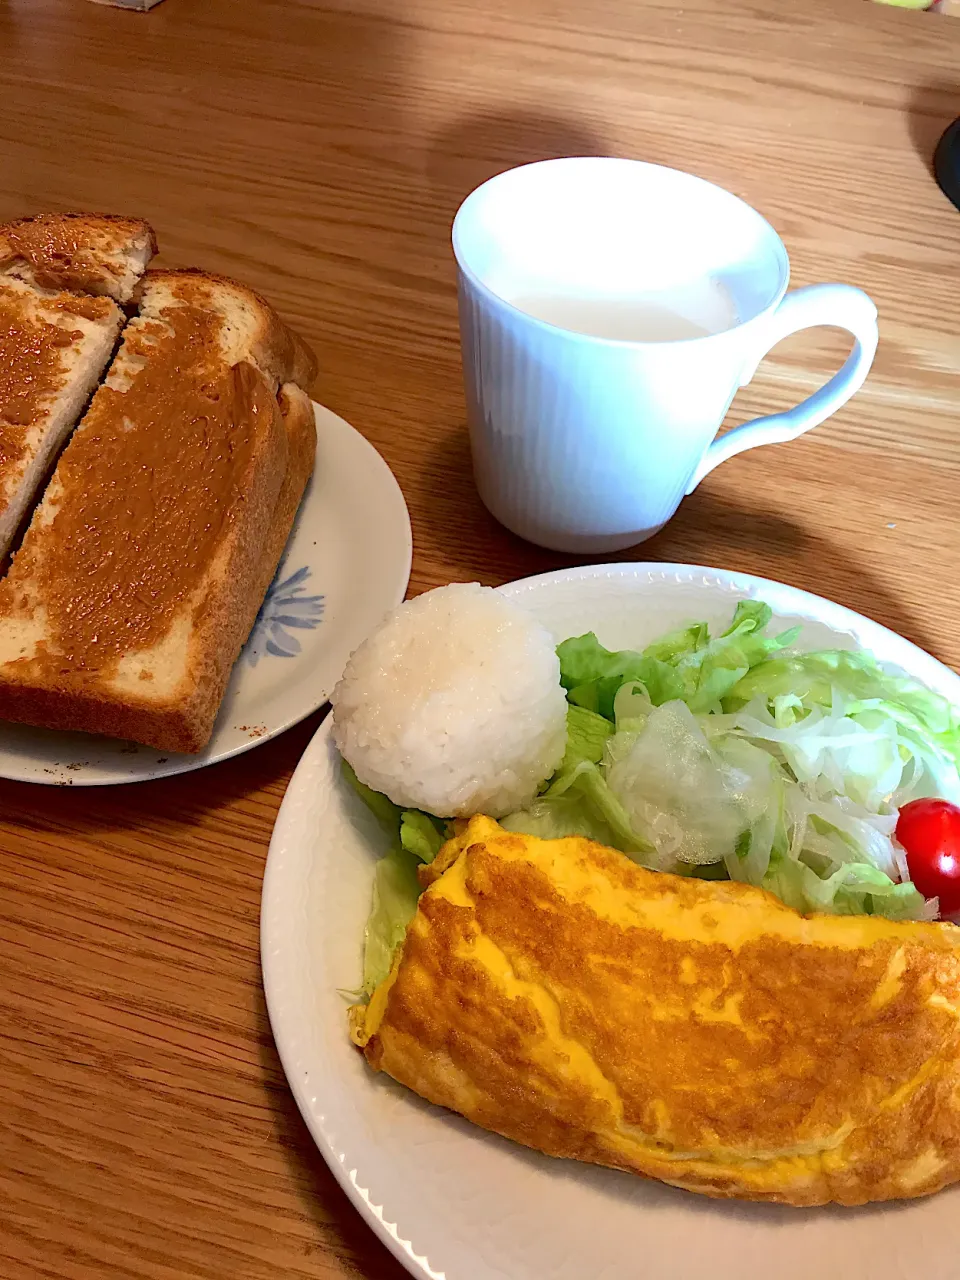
x=287, y=1049
x=191, y=764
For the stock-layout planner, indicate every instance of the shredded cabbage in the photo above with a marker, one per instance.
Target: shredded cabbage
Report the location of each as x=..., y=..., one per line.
x=738, y=757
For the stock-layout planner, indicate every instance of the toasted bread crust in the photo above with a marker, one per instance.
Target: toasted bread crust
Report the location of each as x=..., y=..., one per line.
x=297, y=411
x=120, y=223
x=276, y=349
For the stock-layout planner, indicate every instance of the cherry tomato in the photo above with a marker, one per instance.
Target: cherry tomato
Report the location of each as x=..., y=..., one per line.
x=929, y=831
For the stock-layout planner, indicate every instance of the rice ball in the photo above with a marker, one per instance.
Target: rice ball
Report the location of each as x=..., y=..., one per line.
x=454, y=705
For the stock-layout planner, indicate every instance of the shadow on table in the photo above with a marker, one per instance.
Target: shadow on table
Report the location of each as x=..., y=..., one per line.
x=480, y=541
x=474, y=148
x=183, y=799
x=931, y=108
x=710, y=528
x=339, y=1225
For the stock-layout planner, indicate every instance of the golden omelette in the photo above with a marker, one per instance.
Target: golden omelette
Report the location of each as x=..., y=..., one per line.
x=698, y=1032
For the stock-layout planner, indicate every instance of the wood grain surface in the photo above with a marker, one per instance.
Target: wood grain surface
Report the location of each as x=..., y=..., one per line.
x=318, y=150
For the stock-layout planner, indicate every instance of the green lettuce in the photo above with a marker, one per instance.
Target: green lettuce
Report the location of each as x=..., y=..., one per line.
x=379, y=805
x=396, y=891
x=814, y=679
x=560, y=816
x=421, y=834
x=587, y=734
x=417, y=838
x=592, y=675
x=687, y=665
x=856, y=888
x=580, y=803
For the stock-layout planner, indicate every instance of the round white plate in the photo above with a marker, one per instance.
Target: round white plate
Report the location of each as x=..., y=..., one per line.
x=346, y=564
x=455, y=1202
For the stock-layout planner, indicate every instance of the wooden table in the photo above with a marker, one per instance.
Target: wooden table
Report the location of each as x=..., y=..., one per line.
x=318, y=151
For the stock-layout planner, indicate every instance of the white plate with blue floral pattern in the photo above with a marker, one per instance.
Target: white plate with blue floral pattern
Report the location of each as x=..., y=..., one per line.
x=347, y=563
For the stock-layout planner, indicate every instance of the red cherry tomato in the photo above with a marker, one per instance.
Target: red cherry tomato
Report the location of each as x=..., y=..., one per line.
x=929, y=831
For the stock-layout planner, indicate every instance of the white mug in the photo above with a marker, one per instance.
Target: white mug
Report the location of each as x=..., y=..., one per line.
x=609, y=311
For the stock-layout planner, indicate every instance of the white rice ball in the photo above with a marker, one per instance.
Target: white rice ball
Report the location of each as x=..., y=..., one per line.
x=454, y=705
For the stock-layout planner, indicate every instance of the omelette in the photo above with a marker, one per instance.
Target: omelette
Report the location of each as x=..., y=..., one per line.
x=699, y=1032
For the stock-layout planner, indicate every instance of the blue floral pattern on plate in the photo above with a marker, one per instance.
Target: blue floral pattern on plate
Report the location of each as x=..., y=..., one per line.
x=285, y=609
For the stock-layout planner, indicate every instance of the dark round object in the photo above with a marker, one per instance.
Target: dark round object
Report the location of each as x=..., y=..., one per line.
x=946, y=163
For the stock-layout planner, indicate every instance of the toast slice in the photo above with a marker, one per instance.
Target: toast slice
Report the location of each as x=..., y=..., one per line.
x=61, y=277
x=99, y=254
x=144, y=566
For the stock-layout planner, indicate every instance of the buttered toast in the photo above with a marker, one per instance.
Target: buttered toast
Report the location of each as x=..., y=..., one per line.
x=61, y=277
x=143, y=568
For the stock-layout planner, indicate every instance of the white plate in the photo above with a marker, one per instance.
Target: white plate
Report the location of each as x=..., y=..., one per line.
x=452, y=1201
x=347, y=563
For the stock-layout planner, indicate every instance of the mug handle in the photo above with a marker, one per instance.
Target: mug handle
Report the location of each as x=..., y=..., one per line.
x=839, y=305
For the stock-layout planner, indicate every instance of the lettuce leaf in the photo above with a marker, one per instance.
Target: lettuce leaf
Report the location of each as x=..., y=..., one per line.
x=379, y=805
x=396, y=891
x=587, y=734
x=419, y=833
x=560, y=816
x=592, y=674
x=417, y=838
x=580, y=803
x=686, y=665
x=854, y=889
x=422, y=835
x=710, y=672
